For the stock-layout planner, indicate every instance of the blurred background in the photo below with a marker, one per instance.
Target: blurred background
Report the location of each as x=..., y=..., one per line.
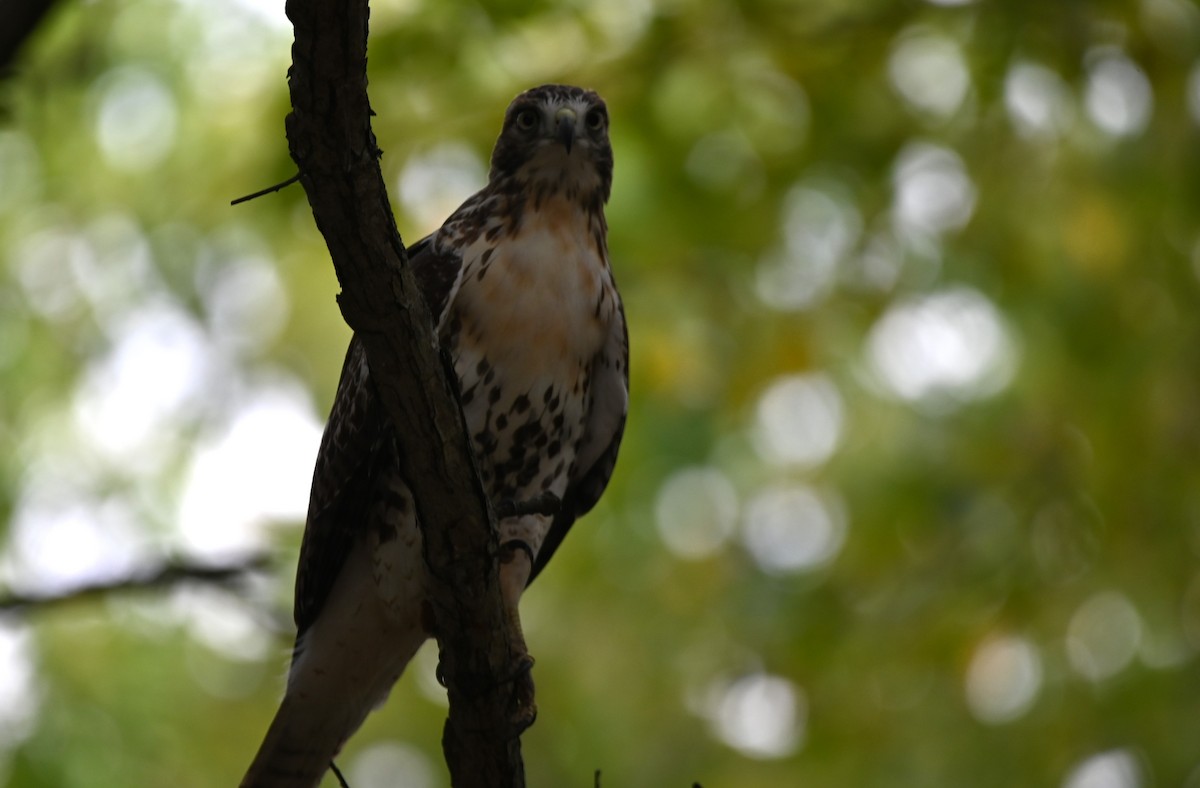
x=910, y=492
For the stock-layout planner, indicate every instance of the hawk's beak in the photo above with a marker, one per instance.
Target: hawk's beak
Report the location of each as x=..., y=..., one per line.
x=566, y=118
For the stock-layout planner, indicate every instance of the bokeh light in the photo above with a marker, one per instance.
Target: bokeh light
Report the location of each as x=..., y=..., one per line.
x=432, y=185
x=136, y=118
x=944, y=347
x=156, y=371
x=392, y=763
x=820, y=228
x=799, y=420
x=246, y=304
x=63, y=538
x=234, y=56
x=20, y=695
x=933, y=193
x=1039, y=102
x=268, y=12
x=1003, y=679
x=1118, y=98
x=1103, y=636
x=1111, y=769
x=44, y=263
x=696, y=511
x=928, y=70
x=793, y=528
x=760, y=715
x=254, y=471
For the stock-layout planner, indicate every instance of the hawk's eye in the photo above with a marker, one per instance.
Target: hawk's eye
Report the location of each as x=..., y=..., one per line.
x=527, y=119
x=594, y=119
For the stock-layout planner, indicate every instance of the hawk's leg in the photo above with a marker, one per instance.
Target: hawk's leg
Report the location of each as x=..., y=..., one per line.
x=546, y=503
x=516, y=564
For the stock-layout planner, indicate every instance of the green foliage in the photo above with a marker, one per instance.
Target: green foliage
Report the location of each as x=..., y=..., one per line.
x=910, y=493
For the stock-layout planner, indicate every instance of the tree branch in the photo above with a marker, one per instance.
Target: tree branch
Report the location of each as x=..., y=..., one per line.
x=150, y=578
x=329, y=134
x=18, y=21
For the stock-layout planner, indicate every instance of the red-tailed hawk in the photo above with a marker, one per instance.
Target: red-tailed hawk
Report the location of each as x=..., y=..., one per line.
x=519, y=282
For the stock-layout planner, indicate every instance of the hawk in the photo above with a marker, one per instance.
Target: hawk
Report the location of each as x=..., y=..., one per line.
x=519, y=283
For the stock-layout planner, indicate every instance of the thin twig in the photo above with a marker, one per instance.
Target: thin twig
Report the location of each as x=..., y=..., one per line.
x=151, y=578
x=267, y=190
x=333, y=767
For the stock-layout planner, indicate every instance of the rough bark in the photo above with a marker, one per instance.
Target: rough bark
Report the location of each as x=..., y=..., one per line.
x=329, y=134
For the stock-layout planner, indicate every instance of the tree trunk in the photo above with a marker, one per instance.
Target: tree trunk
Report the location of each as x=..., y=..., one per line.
x=329, y=134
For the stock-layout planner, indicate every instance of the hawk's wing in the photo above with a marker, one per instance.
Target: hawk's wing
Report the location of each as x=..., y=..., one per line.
x=341, y=479
x=351, y=454
x=597, y=455
x=437, y=268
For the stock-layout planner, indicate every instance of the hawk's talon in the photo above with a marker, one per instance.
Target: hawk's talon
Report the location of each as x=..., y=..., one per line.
x=524, y=717
x=524, y=666
x=440, y=674
x=524, y=709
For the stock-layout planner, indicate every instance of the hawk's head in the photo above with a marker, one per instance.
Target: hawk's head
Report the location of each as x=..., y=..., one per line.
x=556, y=136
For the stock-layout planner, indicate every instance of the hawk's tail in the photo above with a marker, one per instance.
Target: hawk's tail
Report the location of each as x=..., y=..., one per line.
x=297, y=750
x=343, y=667
x=331, y=689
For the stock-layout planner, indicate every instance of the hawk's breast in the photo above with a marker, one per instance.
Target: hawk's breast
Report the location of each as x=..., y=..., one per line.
x=532, y=295
x=530, y=315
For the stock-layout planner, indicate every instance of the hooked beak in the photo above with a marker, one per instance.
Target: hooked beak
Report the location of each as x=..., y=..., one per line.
x=565, y=133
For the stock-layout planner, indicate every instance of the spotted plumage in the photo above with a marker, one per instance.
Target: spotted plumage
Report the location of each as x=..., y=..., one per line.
x=519, y=283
